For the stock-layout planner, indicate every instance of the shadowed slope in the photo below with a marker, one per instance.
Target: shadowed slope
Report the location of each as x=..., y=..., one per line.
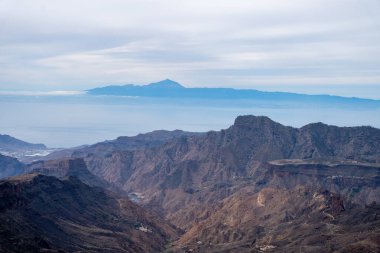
x=44, y=213
x=10, y=166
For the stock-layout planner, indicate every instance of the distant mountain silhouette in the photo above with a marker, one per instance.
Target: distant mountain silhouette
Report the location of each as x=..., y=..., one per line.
x=9, y=143
x=159, y=89
x=171, y=89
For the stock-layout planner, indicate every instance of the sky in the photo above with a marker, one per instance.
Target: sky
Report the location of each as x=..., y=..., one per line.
x=313, y=46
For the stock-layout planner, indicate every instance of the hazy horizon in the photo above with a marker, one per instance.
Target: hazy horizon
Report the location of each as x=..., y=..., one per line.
x=357, y=91
x=67, y=121
x=52, y=51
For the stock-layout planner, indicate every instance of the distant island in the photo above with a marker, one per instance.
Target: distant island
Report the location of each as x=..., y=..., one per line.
x=171, y=89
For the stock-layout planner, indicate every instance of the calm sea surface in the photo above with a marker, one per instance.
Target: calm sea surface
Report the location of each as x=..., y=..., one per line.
x=66, y=121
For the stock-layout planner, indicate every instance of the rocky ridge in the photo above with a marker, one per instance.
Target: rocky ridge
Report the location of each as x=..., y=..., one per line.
x=257, y=186
x=188, y=179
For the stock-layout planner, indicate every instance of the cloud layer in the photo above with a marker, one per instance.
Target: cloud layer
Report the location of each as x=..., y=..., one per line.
x=47, y=45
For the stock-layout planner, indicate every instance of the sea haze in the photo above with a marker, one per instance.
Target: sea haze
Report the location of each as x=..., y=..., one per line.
x=66, y=121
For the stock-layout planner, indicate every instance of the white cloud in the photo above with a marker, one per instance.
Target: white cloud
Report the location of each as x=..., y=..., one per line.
x=43, y=93
x=79, y=44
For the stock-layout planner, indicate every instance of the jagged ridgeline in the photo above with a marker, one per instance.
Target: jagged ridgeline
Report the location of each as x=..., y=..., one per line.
x=257, y=186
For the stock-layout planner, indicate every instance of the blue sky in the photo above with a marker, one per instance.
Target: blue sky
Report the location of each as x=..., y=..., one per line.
x=313, y=46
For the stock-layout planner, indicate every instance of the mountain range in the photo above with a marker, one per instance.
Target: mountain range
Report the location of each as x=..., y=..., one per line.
x=257, y=186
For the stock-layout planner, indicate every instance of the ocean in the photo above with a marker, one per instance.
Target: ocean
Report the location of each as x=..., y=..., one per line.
x=68, y=121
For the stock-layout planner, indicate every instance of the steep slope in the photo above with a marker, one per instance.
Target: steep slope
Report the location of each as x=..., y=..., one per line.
x=41, y=213
x=278, y=220
x=257, y=186
x=323, y=141
x=219, y=156
x=193, y=179
x=10, y=166
x=269, y=140
x=65, y=168
x=285, y=208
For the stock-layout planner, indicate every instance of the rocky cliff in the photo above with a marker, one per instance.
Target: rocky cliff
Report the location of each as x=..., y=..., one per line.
x=192, y=181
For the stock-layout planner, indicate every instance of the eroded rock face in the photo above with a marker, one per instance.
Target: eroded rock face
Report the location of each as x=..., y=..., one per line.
x=219, y=156
x=40, y=213
x=257, y=186
x=290, y=220
x=222, y=186
x=170, y=174
x=67, y=167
